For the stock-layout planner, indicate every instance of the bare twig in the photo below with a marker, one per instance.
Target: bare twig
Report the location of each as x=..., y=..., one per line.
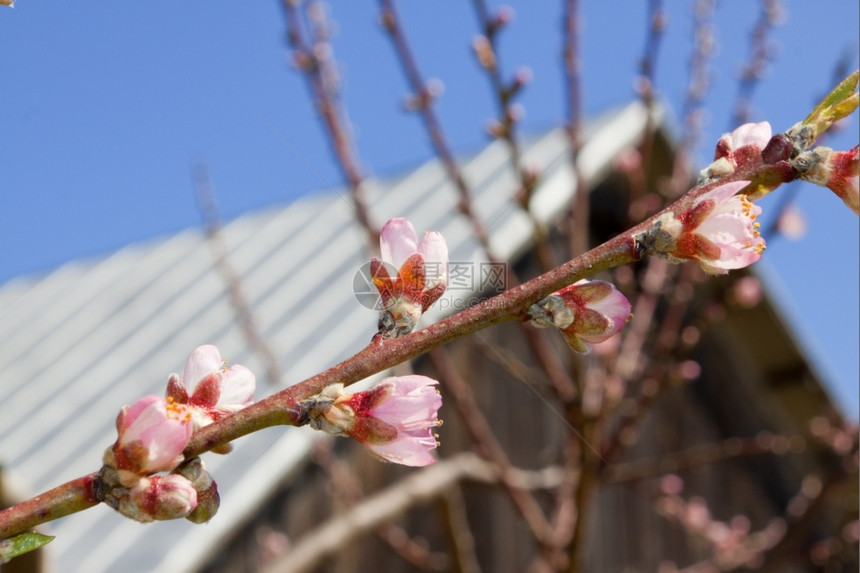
x=480, y=429
x=460, y=536
x=580, y=210
x=314, y=58
x=508, y=115
x=646, y=88
x=759, y=56
x=423, y=98
x=537, y=341
x=701, y=455
x=205, y=193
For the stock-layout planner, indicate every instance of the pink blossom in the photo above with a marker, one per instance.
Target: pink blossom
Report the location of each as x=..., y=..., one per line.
x=586, y=311
x=152, y=434
x=720, y=231
x=394, y=419
x=217, y=391
x=420, y=272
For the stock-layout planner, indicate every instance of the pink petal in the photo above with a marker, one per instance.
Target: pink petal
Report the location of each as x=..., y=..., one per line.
x=732, y=257
x=203, y=360
x=162, y=429
x=237, y=388
x=757, y=134
x=615, y=307
x=723, y=191
x=412, y=405
x=435, y=252
x=398, y=241
x=142, y=406
x=408, y=450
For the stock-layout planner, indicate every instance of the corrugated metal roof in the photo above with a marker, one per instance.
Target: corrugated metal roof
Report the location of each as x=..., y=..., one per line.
x=94, y=335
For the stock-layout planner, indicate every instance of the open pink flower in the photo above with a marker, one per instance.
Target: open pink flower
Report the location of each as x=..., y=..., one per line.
x=586, y=311
x=217, y=391
x=152, y=434
x=394, y=419
x=719, y=231
x=420, y=275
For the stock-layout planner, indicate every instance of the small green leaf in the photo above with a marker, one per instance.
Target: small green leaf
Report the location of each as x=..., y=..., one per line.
x=837, y=104
x=21, y=544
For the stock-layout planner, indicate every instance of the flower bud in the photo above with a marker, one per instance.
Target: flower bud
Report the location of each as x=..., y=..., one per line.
x=420, y=272
x=208, y=499
x=736, y=149
x=394, y=419
x=586, y=311
x=158, y=498
x=837, y=170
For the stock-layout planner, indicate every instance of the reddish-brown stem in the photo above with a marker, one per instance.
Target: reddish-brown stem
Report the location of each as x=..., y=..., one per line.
x=282, y=407
x=71, y=497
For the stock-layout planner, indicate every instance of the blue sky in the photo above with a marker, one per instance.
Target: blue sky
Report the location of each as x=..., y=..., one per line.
x=106, y=105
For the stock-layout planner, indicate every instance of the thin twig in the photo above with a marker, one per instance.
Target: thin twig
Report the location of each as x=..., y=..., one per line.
x=701, y=455
x=205, y=194
x=483, y=434
x=508, y=116
x=314, y=58
x=460, y=537
x=580, y=210
x=537, y=341
x=646, y=87
x=758, y=59
x=423, y=98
